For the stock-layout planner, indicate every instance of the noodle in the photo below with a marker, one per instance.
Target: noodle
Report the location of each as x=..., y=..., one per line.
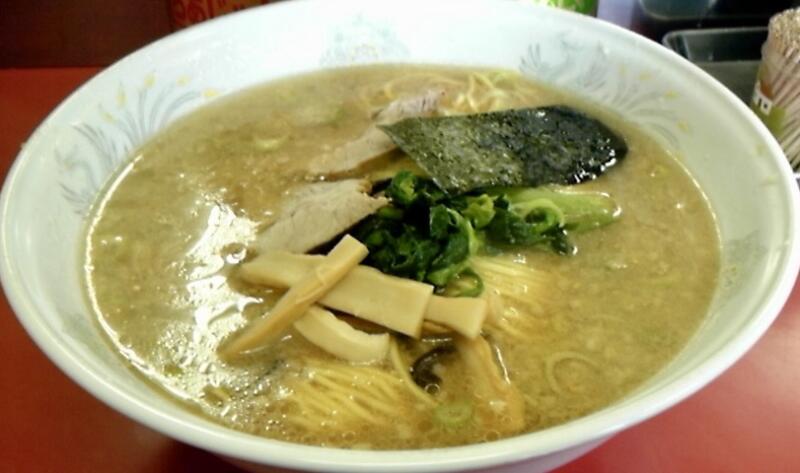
x=339, y=395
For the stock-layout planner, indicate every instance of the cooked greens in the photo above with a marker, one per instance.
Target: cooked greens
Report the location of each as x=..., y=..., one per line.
x=580, y=211
x=543, y=215
x=518, y=147
x=427, y=235
x=421, y=235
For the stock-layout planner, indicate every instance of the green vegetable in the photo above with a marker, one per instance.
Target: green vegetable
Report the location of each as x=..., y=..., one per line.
x=453, y=415
x=581, y=211
x=407, y=189
x=543, y=216
x=540, y=224
x=466, y=284
x=420, y=236
x=451, y=227
x=519, y=147
x=403, y=189
x=429, y=236
x=479, y=210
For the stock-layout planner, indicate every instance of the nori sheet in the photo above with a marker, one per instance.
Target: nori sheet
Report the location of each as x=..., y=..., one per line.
x=517, y=147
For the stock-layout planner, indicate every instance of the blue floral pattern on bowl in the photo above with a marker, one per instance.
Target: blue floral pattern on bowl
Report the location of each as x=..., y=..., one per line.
x=138, y=113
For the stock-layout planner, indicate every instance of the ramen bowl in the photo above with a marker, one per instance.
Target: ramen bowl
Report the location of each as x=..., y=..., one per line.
x=70, y=157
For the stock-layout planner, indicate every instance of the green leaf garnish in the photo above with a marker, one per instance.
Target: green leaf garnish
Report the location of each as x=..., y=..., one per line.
x=429, y=236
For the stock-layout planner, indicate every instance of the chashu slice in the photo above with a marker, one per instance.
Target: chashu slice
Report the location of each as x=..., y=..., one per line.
x=314, y=214
x=374, y=142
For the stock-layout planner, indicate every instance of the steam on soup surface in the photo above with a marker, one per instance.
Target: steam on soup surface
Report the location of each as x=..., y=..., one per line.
x=565, y=334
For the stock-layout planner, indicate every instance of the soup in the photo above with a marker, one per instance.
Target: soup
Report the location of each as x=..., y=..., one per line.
x=571, y=325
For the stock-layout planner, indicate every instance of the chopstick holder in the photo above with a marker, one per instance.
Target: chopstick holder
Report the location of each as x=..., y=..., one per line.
x=776, y=97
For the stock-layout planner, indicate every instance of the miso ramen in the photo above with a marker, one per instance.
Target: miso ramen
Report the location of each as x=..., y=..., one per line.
x=469, y=309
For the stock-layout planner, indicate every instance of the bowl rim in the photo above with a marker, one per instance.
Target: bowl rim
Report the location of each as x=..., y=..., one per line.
x=584, y=430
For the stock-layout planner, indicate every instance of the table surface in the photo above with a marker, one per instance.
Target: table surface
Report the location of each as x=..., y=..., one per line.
x=746, y=421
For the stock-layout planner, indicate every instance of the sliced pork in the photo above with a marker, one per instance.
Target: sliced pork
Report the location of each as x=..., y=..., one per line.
x=374, y=142
x=314, y=214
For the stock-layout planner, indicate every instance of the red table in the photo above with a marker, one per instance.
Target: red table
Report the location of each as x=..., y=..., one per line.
x=748, y=421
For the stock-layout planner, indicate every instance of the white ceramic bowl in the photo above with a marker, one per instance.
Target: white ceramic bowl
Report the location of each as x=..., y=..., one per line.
x=69, y=157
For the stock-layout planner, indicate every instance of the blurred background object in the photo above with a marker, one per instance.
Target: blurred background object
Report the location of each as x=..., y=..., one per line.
x=95, y=32
x=98, y=32
x=731, y=55
x=188, y=12
x=587, y=7
x=723, y=37
x=655, y=18
x=77, y=32
x=776, y=95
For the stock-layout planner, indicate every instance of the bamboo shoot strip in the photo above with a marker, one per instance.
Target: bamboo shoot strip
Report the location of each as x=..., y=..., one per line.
x=465, y=315
x=309, y=289
x=396, y=303
x=338, y=338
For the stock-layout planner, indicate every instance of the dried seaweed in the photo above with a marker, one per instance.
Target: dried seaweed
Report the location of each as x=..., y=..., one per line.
x=518, y=147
